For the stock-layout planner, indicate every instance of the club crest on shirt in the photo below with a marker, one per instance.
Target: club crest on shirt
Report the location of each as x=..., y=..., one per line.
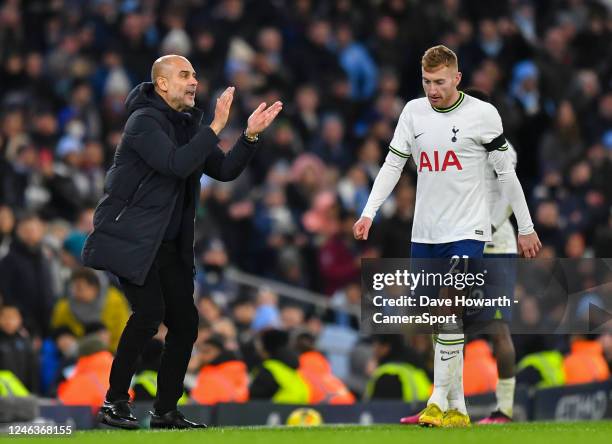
x=455, y=131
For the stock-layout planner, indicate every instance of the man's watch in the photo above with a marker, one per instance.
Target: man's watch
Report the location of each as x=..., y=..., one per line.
x=251, y=139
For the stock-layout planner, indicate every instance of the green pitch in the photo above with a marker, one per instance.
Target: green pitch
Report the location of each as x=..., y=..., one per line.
x=520, y=433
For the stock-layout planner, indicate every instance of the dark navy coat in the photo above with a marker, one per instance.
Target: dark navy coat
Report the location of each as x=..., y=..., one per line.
x=143, y=183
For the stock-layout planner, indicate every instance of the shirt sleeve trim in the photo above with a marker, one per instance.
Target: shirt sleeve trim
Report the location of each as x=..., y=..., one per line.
x=398, y=153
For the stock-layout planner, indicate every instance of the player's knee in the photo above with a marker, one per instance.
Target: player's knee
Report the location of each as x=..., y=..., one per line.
x=502, y=339
x=452, y=325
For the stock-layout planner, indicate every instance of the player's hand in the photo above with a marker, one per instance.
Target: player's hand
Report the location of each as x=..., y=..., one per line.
x=362, y=228
x=262, y=117
x=529, y=244
x=222, y=109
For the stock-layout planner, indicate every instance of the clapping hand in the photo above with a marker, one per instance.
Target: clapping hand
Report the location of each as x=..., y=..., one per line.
x=222, y=109
x=262, y=117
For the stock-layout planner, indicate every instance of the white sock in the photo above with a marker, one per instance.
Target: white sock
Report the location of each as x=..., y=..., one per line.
x=456, y=397
x=504, y=392
x=448, y=350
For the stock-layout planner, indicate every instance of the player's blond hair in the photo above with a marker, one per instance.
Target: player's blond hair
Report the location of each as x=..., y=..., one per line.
x=437, y=57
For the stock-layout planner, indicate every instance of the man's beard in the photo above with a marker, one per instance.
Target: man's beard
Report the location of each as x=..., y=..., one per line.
x=181, y=103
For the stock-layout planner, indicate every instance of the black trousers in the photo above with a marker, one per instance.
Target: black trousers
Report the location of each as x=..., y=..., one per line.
x=167, y=295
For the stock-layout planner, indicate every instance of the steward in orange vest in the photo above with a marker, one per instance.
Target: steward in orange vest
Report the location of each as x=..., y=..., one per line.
x=325, y=387
x=585, y=363
x=89, y=382
x=479, y=368
x=222, y=377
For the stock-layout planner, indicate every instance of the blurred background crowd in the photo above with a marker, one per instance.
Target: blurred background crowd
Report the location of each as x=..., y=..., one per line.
x=344, y=70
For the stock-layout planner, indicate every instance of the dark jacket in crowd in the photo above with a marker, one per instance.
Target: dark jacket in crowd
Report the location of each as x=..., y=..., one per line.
x=389, y=386
x=264, y=385
x=394, y=236
x=152, y=188
x=26, y=282
x=18, y=356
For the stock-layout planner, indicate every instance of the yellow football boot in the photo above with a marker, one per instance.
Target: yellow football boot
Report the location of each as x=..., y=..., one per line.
x=454, y=418
x=431, y=416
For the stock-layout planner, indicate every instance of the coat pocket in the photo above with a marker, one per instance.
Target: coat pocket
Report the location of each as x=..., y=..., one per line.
x=135, y=197
x=123, y=210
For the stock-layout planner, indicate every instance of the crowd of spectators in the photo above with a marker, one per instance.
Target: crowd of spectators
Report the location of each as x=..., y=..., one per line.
x=344, y=69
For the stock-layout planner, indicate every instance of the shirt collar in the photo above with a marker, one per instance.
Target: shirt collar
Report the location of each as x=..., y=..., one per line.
x=453, y=106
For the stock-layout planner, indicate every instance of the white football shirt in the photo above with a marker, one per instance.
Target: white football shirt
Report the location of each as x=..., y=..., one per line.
x=448, y=148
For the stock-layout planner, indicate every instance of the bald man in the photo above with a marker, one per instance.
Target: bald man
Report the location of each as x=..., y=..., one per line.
x=144, y=225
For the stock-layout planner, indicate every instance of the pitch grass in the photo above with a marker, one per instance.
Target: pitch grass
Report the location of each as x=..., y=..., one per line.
x=519, y=433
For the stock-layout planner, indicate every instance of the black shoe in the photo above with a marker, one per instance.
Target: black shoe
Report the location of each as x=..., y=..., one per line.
x=173, y=420
x=118, y=414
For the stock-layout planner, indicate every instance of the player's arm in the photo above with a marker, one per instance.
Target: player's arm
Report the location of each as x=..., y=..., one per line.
x=500, y=213
x=389, y=174
x=528, y=242
x=500, y=157
x=511, y=190
x=502, y=209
